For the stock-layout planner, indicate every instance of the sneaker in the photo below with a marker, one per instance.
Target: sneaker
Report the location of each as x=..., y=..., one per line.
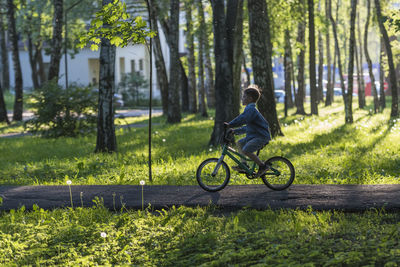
x=240, y=169
x=262, y=170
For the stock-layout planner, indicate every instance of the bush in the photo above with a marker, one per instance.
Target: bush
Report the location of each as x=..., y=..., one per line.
x=59, y=112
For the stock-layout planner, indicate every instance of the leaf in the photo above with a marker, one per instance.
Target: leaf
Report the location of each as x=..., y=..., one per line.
x=94, y=47
x=116, y=40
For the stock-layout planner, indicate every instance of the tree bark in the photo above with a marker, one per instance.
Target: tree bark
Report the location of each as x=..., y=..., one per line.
x=339, y=63
x=5, y=73
x=361, y=89
x=287, y=62
x=33, y=63
x=55, y=57
x=191, y=58
x=299, y=96
x=162, y=77
x=369, y=62
x=329, y=85
x=209, y=81
x=261, y=61
x=382, y=97
x=18, y=104
x=248, y=79
x=352, y=44
x=202, y=90
x=174, y=111
x=106, y=139
x=320, y=63
x=392, y=71
x=3, y=108
x=311, y=36
x=234, y=25
x=223, y=73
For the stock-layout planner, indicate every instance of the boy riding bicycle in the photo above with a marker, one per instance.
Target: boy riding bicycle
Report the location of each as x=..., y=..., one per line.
x=256, y=129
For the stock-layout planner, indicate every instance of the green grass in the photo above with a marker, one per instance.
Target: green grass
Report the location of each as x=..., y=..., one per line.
x=200, y=236
x=323, y=150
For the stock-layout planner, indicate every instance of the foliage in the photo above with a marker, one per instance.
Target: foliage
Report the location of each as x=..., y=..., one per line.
x=322, y=149
x=199, y=236
x=130, y=86
x=114, y=23
x=59, y=112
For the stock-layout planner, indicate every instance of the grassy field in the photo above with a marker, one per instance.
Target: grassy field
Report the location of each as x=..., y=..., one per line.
x=200, y=236
x=323, y=150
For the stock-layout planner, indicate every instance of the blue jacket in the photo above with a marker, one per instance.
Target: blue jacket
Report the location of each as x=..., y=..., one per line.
x=256, y=125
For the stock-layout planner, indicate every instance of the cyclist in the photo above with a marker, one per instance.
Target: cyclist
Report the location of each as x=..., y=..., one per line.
x=256, y=128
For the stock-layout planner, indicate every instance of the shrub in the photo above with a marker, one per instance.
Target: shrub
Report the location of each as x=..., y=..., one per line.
x=59, y=112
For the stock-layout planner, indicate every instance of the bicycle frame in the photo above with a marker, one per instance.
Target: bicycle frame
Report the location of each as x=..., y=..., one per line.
x=230, y=152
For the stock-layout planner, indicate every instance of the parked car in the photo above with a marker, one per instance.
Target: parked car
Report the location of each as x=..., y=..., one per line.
x=118, y=102
x=280, y=96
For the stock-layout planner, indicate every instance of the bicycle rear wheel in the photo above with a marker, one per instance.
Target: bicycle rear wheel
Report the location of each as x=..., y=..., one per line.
x=280, y=175
x=207, y=180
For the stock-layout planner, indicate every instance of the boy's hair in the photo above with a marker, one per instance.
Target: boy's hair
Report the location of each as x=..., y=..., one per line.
x=253, y=91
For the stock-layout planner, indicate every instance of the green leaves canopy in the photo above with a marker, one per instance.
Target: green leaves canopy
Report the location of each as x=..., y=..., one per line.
x=114, y=23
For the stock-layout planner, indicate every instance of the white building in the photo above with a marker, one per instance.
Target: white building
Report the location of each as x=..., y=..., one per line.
x=83, y=68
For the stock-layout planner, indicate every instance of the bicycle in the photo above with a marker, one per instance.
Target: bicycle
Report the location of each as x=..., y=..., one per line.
x=211, y=177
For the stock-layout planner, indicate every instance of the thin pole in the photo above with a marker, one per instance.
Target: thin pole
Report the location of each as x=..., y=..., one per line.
x=151, y=91
x=65, y=50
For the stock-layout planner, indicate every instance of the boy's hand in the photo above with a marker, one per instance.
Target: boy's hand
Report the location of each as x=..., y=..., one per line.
x=226, y=125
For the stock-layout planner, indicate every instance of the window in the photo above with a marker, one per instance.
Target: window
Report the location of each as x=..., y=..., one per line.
x=133, y=66
x=140, y=64
x=122, y=65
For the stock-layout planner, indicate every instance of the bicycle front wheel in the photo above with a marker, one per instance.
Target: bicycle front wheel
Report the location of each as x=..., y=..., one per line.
x=280, y=175
x=211, y=177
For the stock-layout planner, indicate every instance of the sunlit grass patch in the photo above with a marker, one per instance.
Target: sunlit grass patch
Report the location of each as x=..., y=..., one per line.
x=323, y=149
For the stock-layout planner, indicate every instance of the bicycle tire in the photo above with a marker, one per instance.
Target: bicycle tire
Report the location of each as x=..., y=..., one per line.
x=282, y=174
x=205, y=178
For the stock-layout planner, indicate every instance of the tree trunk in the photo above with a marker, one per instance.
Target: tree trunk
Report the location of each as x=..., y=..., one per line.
x=106, y=139
x=174, y=111
x=223, y=73
x=261, y=61
x=3, y=108
x=18, y=104
x=202, y=90
x=234, y=25
x=352, y=44
x=162, y=77
x=339, y=63
x=191, y=59
x=367, y=57
x=209, y=82
x=55, y=57
x=33, y=63
x=248, y=79
x=299, y=96
x=392, y=71
x=5, y=69
x=361, y=89
x=320, y=63
x=311, y=36
x=287, y=62
x=382, y=97
x=329, y=85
